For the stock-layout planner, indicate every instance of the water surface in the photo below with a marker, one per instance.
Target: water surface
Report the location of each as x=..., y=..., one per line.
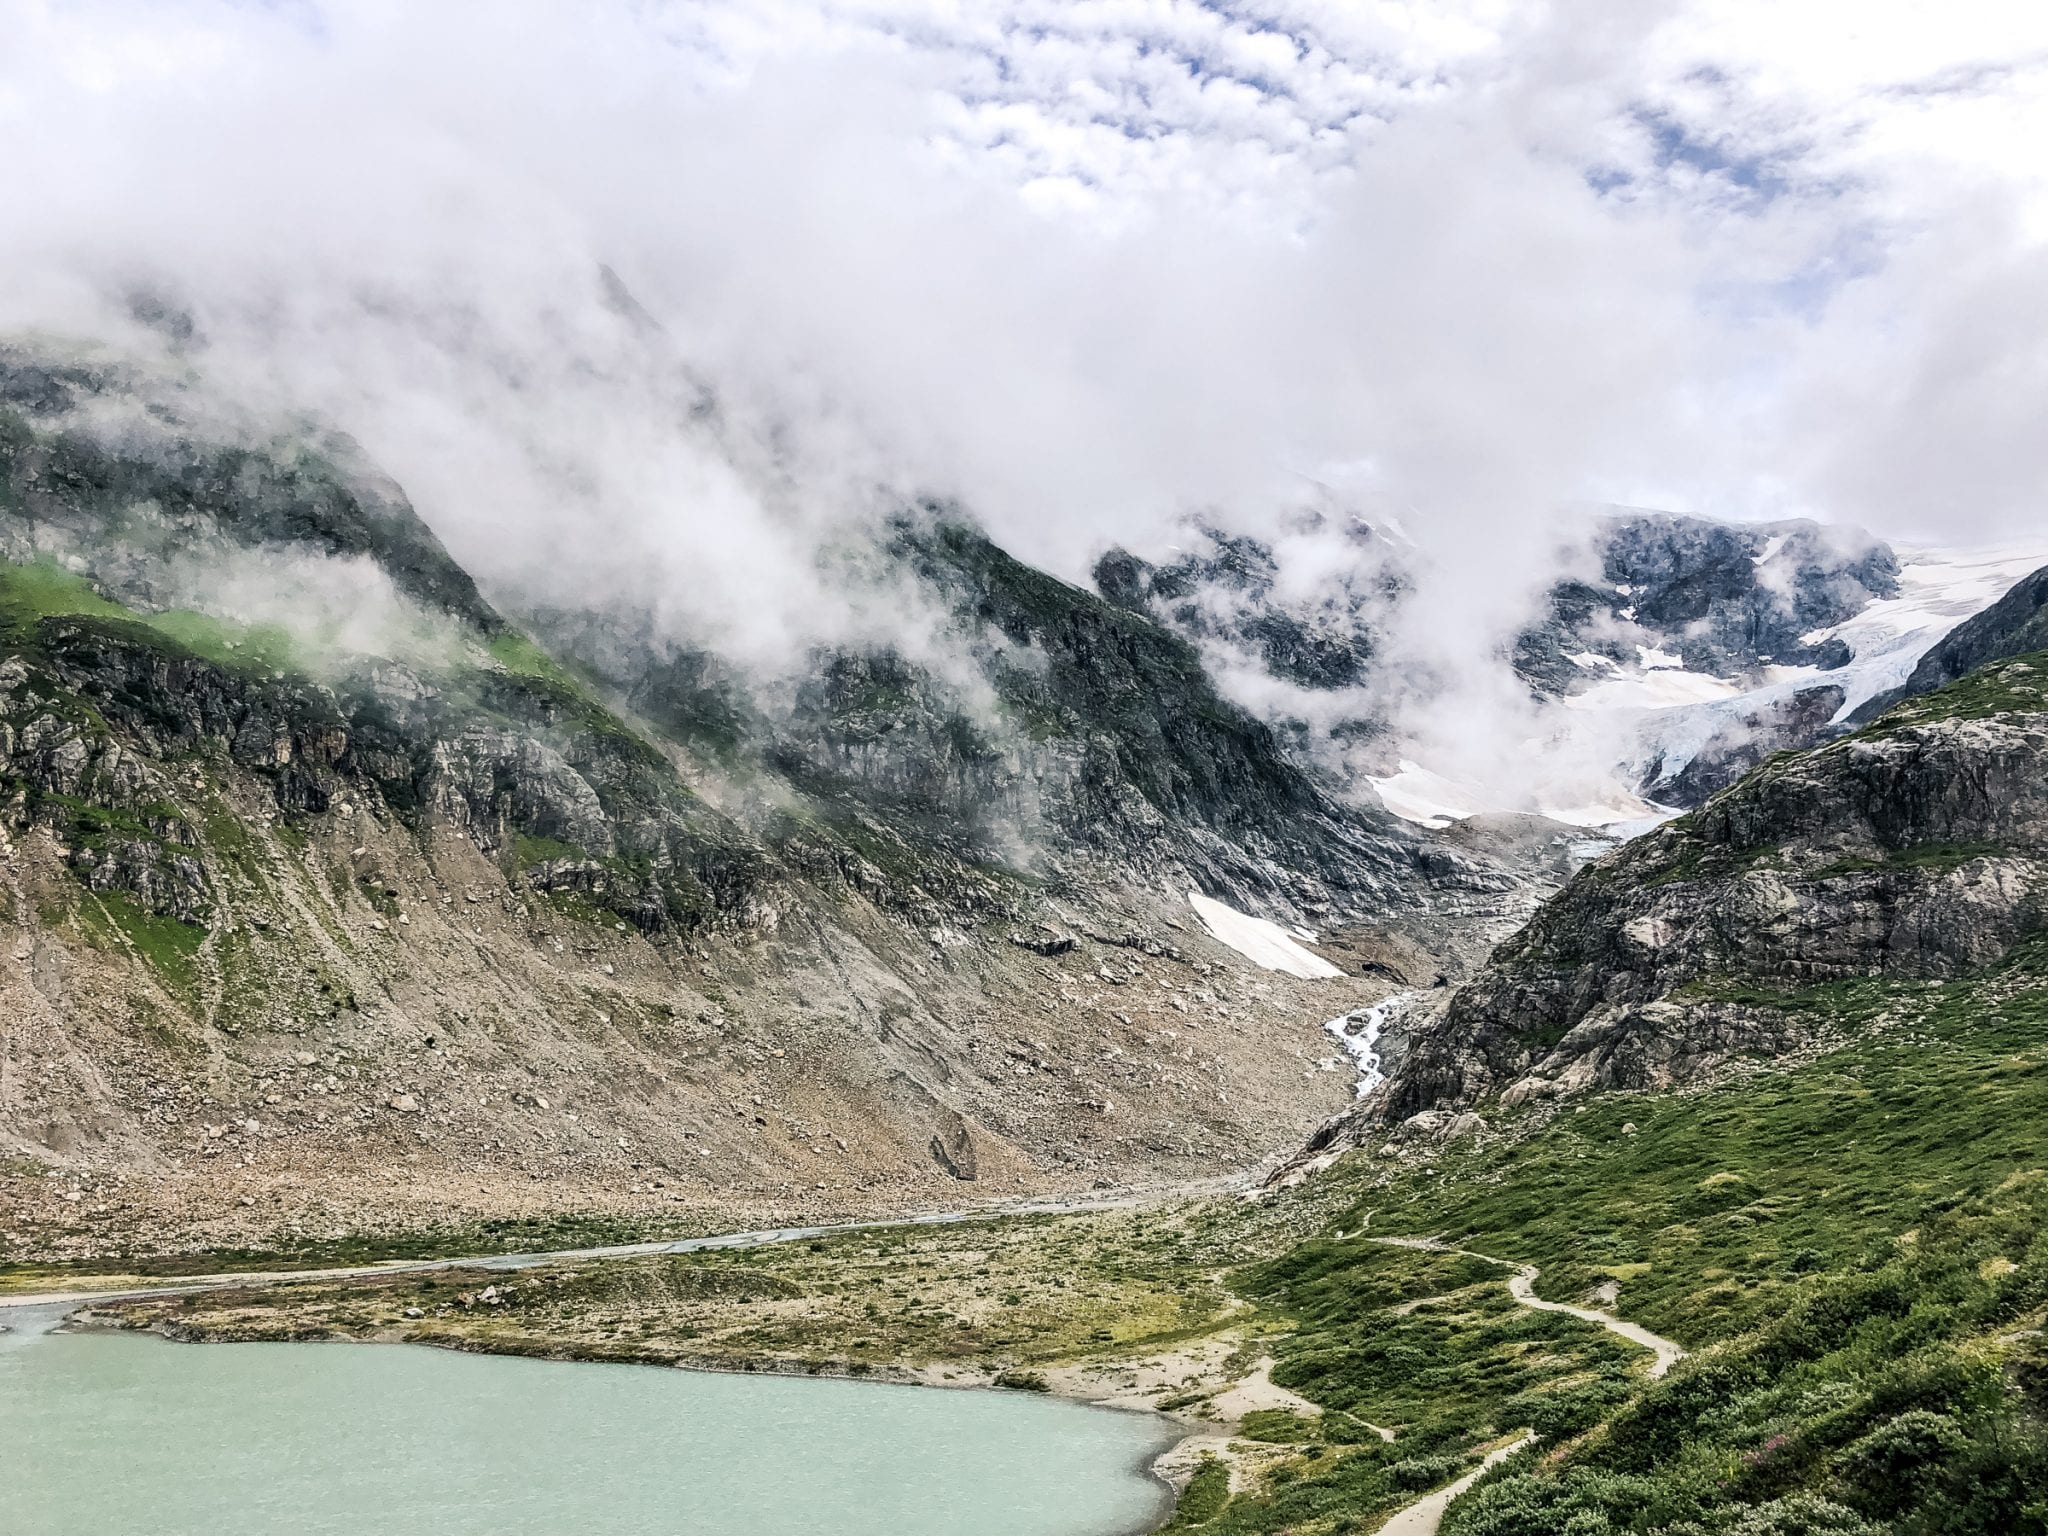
x=120, y=1434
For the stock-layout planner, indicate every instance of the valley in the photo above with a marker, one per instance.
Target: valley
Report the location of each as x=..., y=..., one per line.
x=884, y=768
x=546, y=990
x=1842, y=1246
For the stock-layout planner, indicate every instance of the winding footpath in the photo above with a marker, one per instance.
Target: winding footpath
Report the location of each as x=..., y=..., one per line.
x=1425, y=1516
x=1522, y=1286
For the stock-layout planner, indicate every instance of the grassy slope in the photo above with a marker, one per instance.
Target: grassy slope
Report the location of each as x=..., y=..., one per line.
x=29, y=593
x=1855, y=1249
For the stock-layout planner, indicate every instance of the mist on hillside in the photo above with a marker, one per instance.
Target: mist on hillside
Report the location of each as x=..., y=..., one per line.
x=668, y=310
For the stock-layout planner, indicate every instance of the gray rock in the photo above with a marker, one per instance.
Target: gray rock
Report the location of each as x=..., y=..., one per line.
x=1918, y=850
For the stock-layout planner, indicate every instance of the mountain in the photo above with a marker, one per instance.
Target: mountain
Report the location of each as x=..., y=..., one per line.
x=1760, y=1090
x=1915, y=850
x=2013, y=626
x=1229, y=590
x=1721, y=598
x=335, y=896
x=1723, y=640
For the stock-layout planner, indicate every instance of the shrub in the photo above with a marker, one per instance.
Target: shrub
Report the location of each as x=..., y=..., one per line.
x=1419, y=1473
x=1800, y=1515
x=1888, y=1467
x=1563, y=1413
x=1204, y=1497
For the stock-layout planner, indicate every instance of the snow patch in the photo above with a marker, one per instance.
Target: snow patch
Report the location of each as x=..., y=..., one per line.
x=1668, y=687
x=1617, y=813
x=1266, y=945
x=1937, y=591
x=1415, y=794
x=1650, y=658
x=1435, y=801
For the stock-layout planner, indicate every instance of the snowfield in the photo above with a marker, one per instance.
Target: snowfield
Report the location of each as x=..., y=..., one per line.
x=1265, y=944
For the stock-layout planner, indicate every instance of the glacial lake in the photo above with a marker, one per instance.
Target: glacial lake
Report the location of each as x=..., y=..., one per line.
x=121, y=1435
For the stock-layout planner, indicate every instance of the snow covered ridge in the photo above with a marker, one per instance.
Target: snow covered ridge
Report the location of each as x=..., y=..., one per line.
x=1265, y=944
x=1434, y=800
x=1659, y=713
x=1937, y=591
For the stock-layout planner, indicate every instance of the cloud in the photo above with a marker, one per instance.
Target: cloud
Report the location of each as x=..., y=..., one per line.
x=1089, y=266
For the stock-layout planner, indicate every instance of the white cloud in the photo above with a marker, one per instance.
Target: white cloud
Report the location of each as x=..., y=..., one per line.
x=1087, y=264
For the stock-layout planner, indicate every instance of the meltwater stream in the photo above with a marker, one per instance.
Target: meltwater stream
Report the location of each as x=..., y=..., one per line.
x=119, y=1434
x=1359, y=1034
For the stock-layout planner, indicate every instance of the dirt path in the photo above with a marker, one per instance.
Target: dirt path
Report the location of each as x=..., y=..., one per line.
x=1424, y=1516
x=198, y=1284
x=1522, y=1286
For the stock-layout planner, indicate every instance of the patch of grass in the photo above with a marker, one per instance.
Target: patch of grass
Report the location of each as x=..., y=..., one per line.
x=1208, y=1490
x=169, y=946
x=43, y=589
x=528, y=850
x=2015, y=686
x=1931, y=857
x=261, y=649
x=518, y=654
x=30, y=593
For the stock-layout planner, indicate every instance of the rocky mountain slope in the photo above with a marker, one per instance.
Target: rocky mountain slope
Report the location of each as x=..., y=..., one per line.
x=332, y=898
x=1724, y=599
x=1914, y=850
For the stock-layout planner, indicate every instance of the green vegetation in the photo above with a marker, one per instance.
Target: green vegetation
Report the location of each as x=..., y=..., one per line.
x=43, y=590
x=1444, y=1373
x=1207, y=1492
x=32, y=593
x=261, y=649
x=113, y=919
x=1932, y=857
x=518, y=654
x=2018, y=685
x=1856, y=1250
x=528, y=850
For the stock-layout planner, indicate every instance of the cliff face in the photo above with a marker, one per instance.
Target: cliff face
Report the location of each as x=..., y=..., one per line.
x=1914, y=850
x=328, y=889
x=1724, y=598
x=1229, y=591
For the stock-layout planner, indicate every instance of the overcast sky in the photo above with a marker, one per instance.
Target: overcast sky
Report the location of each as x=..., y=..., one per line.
x=1089, y=267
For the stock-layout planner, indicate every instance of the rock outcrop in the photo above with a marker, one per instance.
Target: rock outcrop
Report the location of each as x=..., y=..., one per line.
x=1724, y=598
x=1916, y=849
